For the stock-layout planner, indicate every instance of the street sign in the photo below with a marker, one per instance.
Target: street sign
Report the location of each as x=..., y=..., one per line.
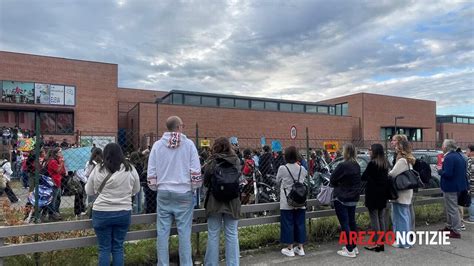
x=293, y=132
x=331, y=146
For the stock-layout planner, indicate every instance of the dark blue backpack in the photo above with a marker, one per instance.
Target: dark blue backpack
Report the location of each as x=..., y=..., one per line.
x=225, y=181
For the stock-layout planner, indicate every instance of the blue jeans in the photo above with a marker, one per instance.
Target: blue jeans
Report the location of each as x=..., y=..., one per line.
x=346, y=216
x=111, y=228
x=53, y=207
x=471, y=211
x=232, y=251
x=401, y=219
x=292, y=226
x=180, y=207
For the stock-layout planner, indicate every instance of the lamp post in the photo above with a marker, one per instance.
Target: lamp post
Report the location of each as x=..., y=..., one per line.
x=396, y=118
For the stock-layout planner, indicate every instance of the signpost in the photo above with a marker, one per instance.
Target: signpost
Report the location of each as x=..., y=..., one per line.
x=293, y=132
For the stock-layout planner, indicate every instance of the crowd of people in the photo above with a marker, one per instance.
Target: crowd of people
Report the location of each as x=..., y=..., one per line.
x=172, y=170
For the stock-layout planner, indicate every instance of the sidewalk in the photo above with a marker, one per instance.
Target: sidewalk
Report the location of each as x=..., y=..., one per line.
x=460, y=252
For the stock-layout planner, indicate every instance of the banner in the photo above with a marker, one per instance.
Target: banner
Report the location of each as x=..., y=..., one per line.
x=70, y=95
x=18, y=92
x=205, y=143
x=42, y=93
x=56, y=95
x=76, y=158
x=276, y=145
x=99, y=141
x=26, y=144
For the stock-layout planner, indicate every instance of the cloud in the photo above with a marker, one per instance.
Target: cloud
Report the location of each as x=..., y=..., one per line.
x=305, y=50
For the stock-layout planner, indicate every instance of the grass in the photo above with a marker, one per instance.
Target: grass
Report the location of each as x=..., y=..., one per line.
x=250, y=238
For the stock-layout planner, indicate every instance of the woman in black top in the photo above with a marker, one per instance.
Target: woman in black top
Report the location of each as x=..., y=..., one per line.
x=346, y=183
x=376, y=175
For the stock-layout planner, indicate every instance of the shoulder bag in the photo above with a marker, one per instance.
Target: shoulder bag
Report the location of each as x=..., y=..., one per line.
x=102, y=185
x=410, y=179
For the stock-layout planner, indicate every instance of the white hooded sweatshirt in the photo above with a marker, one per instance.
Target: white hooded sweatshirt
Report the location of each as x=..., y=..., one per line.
x=174, y=164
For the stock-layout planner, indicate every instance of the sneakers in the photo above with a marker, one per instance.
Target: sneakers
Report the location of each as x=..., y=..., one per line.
x=356, y=250
x=298, y=251
x=346, y=253
x=395, y=245
x=463, y=227
x=453, y=234
x=288, y=252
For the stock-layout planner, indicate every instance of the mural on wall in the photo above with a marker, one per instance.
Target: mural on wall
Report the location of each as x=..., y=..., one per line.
x=42, y=93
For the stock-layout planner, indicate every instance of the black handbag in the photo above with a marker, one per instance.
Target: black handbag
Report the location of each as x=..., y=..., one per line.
x=391, y=193
x=410, y=179
x=464, y=198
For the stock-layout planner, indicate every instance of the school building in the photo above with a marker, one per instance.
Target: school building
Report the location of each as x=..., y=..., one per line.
x=80, y=101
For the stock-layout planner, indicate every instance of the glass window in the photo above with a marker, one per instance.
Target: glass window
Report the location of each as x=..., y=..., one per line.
x=285, y=107
x=244, y=104
x=27, y=120
x=323, y=109
x=258, y=105
x=167, y=99
x=458, y=119
x=298, y=108
x=48, y=123
x=192, y=99
x=65, y=123
x=338, y=109
x=271, y=106
x=454, y=119
x=332, y=110
x=177, y=98
x=311, y=109
x=419, y=134
x=465, y=120
x=209, y=101
x=226, y=102
x=471, y=120
x=345, y=109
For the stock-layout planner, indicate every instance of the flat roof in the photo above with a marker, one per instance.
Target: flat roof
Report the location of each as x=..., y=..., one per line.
x=63, y=58
x=242, y=97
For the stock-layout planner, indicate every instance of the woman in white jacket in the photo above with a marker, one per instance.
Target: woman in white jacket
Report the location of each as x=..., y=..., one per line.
x=111, y=212
x=401, y=217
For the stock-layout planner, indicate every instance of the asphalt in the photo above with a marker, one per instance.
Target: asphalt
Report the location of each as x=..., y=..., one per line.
x=459, y=252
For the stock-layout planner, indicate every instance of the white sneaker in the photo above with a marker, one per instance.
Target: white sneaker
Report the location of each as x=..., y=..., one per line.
x=288, y=252
x=356, y=250
x=463, y=227
x=298, y=251
x=346, y=253
x=395, y=245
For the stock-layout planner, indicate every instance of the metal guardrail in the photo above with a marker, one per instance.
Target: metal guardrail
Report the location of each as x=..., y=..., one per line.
x=52, y=245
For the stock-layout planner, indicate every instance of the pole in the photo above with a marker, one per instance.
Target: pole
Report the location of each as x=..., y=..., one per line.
x=395, y=126
x=36, y=183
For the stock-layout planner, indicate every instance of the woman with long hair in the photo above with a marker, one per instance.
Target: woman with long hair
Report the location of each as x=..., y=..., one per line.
x=56, y=170
x=346, y=182
x=221, y=212
x=111, y=212
x=376, y=175
x=401, y=215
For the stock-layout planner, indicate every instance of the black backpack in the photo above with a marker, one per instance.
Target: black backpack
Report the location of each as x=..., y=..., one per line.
x=225, y=181
x=423, y=169
x=298, y=193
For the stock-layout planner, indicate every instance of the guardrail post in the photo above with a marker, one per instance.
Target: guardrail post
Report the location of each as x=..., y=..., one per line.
x=1, y=245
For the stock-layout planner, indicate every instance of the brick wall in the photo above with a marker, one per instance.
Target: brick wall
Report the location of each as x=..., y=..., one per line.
x=462, y=133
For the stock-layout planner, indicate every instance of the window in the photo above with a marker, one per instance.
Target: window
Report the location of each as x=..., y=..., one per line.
x=177, y=99
x=332, y=110
x=192, y=100
x=285, y=107
x=298, y=108
x=167, y=99
x=323, y=109
x=271, y=106
x=454, y=119
x=239, y=103
x=209, y=101
x=260, y=105
x=338, y=109
x=48, y=123
x=471, y=120
x=458, y=119
x=413, y=134
x=226, y=102
x=465, y=120
x=345, y=109
x=64, y=123
x=311, y=109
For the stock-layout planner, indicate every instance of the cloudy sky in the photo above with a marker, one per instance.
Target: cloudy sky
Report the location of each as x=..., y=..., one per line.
x=303, y=50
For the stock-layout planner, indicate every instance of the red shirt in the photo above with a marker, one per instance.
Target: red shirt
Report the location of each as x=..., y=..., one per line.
x=56, y=172
x=249, y=165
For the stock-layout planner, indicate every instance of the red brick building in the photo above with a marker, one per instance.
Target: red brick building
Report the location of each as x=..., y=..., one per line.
x=77, y=100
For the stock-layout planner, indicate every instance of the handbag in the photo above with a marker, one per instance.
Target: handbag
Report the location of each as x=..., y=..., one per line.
x=410, y=179
x=325, y=195
x=91, y=204
x=464, y=198
x=391, y=193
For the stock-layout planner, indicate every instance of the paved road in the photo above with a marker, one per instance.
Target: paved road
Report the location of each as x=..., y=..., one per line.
x=460, y=252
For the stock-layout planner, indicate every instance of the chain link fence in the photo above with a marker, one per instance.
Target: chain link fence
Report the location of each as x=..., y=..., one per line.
x=46, y=186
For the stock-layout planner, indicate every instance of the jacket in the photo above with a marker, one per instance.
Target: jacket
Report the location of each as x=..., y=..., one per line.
x=212, y=205
x=117, y=192
x=56, y=170
x=174, y=164
x=346, y=182
x=266, y=164
x=453, y=173
x=377, y=185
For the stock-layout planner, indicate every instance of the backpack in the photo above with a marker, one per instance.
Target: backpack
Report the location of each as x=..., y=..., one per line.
x=423, y=169
x=3, y=178
x=298, y=193
x=225, y=181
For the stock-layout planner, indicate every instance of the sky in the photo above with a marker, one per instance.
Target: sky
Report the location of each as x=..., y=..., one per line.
x=297, y=50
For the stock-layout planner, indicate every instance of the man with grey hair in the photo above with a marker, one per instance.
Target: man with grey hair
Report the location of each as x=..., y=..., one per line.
x=174, y=171
x=453, y=181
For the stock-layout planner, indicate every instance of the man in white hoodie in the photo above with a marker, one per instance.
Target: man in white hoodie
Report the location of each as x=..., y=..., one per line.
x=174, y=171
